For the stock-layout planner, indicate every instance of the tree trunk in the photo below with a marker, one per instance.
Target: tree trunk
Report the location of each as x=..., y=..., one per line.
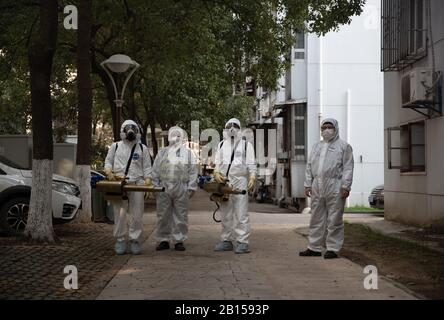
x=39, y=227
x=153, y=136
x=94, y=130
x=165, y=127
x=154, y=102
x=144, y=132
x=40, y=54
x=84, y=123
x=83, y=177
x=131, y=101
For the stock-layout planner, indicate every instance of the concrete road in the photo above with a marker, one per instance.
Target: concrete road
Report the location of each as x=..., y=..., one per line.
x=273, y=270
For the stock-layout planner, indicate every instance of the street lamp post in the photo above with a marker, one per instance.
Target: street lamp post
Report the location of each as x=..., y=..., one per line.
x=119, y=64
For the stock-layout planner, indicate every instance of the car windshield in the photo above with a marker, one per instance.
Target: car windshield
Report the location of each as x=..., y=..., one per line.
x=11, y=163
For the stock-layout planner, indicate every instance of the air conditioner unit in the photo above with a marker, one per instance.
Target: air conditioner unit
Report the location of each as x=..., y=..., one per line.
x=414, y=87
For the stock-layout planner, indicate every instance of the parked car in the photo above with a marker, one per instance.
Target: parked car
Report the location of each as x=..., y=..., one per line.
x=15, y=193
x=376, y=198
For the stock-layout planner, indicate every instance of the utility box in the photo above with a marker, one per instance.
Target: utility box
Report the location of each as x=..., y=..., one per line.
x=64, y=162
x=414, y=86
x=17, y=148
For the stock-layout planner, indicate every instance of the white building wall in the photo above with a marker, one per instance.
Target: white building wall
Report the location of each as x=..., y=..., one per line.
x=341, y=78
x=413, y=198
x=345, y=66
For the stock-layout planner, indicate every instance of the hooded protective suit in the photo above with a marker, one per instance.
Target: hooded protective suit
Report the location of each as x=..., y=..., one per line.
x=329, y=169
x=139, y=170
x=234, y=212
x=174, y=168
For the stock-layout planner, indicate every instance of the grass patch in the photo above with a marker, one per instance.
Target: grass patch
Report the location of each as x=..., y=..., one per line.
x=419, y=268
x=362, y=209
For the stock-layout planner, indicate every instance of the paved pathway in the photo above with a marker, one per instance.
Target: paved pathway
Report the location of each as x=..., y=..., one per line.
x=273, y=270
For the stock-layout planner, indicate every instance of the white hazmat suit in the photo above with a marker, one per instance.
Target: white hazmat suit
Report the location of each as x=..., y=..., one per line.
x=329, y=171
x=175, y=169
x=242, y=172
x=139, y=172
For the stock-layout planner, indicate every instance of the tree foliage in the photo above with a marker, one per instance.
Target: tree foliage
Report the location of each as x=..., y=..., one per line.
x=192, y=54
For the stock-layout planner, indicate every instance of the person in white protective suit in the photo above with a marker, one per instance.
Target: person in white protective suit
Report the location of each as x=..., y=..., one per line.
x=328, y=181
x=175, y=169
x=235, y=164
x=137, y=171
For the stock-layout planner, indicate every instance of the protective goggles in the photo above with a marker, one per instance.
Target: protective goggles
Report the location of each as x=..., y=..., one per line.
x=232, y=125
x=175, y=133
x=132, y=127
x=327, y=126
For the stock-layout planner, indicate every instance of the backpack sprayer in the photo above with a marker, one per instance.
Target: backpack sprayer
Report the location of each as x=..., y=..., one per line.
x=117, y=190
x=220, y=192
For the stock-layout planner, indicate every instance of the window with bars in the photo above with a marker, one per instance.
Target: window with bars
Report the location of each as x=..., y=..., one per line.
x=286, y=129
x=299, y=132
x=407, y=147
x=404, y=33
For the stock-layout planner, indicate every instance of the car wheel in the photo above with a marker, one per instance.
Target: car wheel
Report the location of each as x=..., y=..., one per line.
x=14, y=215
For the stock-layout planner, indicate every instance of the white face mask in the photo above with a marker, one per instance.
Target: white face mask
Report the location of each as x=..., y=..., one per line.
x=233, y=132
x=173, y=140
x=328, y=134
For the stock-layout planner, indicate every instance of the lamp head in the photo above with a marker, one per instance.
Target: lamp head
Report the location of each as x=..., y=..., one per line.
x=119, y=63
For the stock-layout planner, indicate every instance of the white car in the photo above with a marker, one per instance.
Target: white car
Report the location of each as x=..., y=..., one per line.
x=15, y=193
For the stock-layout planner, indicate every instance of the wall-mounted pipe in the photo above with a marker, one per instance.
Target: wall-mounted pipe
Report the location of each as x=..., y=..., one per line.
x=321, y=80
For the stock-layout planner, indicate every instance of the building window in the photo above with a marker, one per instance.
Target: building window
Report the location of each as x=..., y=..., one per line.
x=407, y=147
x=300, y=40
x=299, y=49
x=404, y=33
x=299, y=132
x=299, y=55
